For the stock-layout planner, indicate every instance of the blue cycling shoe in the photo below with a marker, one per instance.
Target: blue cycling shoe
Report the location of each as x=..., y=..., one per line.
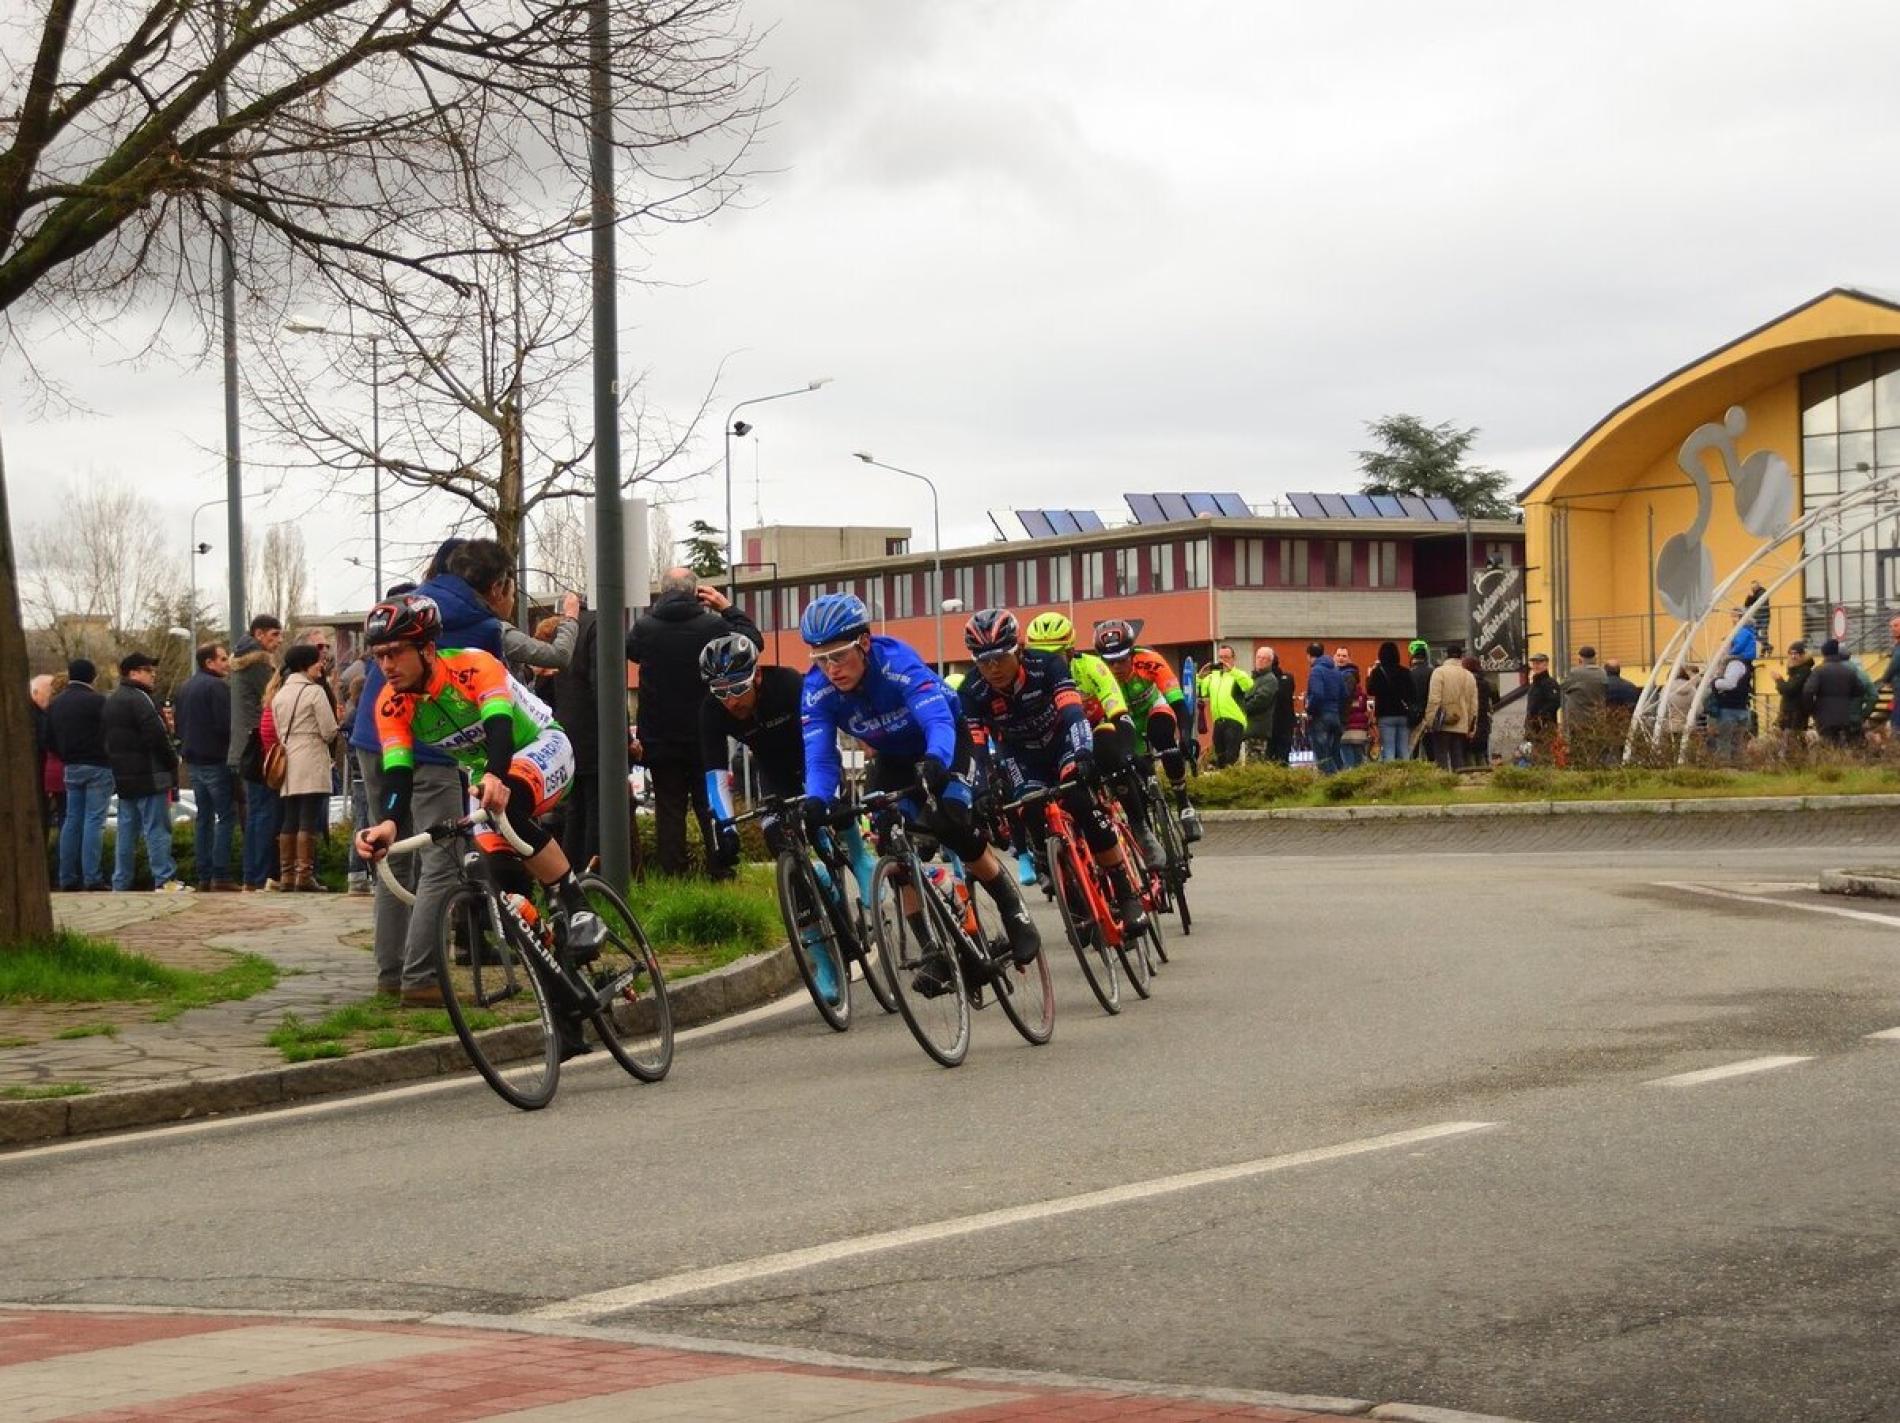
x=823, y=972
x=1025, y=868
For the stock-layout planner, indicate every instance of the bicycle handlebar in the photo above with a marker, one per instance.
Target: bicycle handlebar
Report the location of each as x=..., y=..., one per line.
x=410, y=844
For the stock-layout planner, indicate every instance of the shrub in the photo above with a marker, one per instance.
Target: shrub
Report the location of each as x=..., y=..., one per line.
x=1384, y=780
x=1257, y=783
x=1527, y=780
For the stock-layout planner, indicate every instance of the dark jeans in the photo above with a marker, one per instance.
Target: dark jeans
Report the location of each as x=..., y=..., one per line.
x=82, y=832
x=260, y=834
x=1227, y=736
x=1323, y=731
x=676, y=785
x=213, y=788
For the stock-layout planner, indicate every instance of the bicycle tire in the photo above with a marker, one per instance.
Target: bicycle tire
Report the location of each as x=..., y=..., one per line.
x=1027, y=993
x=941, y=1025
x=854, y=932
x=523, y=1070
x=1085, y=936
x=635, y=1026
x=801, y=904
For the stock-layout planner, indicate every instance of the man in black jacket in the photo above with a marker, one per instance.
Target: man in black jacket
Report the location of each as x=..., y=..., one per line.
x=203, y=707
x=1543, y=700
x=1793, y=713
x=665, y=644
x=575, y=709
x=73, y=729
x=144, y=769
x=253, y=661
x=1280, y=746
x=1425, y=744
x=1839, y=694
x=1261, y=703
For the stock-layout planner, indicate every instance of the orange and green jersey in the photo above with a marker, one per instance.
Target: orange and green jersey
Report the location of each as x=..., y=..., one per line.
x=1150, y=686
x=467, y=689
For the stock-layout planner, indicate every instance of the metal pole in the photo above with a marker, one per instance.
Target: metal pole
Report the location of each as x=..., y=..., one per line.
x=610, y=667
x=1467, y=639
x=233, y=459
x=732, y=563
x=376, y=465
x=936, y=541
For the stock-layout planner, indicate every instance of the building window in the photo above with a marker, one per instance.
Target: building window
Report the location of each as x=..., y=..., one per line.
x=1293, y=563
x=1060, y=583
x=789, y=607
x=1127, y=570
x=1026, y=590
x=995, y=594
x=1196, y=551
x=903, y=595
x=962, y=587
x=1161, y=568
x=1382, y=563
x=1850, y=432
x=1250, y=563
x=1342, y=564
x=896, y=548
x=876, y=601
x=1092, y=574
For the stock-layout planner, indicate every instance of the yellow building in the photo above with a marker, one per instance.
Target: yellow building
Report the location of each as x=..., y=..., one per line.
x=1818, y=385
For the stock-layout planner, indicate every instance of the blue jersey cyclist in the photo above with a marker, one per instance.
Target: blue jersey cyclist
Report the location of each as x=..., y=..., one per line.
x=879, y=691
x=1025, y=706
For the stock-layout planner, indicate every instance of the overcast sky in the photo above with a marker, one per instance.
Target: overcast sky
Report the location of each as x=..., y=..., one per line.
x=1053, y=251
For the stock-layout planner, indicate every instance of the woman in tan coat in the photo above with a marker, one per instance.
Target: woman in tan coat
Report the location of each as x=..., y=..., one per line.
x=1454, y=695
x=305, y=720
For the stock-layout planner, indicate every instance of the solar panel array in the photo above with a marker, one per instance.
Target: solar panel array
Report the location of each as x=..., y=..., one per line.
x=1057, y=523
x=1173, y=508
x=1432, y=510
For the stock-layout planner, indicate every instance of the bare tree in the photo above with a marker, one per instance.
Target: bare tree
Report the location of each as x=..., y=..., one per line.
x=94, y=571
x=560, y=544
x=660, y=537
x=283, y=577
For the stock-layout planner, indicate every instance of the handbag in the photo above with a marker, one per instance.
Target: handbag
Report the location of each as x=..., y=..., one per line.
x=276, y=769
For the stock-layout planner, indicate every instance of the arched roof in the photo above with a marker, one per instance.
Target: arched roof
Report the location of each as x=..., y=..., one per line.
x=1839, y=323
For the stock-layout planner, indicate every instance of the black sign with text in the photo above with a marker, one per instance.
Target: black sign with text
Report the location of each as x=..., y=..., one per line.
x=1497, y=618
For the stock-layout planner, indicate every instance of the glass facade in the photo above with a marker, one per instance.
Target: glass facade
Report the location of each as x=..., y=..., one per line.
x=1850, y=430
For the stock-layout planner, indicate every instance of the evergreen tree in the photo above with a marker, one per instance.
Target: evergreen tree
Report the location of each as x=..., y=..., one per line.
x=1429, y=460
x=706, y=550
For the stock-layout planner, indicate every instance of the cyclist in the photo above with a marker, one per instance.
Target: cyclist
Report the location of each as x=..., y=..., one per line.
x=759, y=708
x=881, y=692
x=463, y=703
x=1157, y=704
x=1024, y=704
x=1107, y=711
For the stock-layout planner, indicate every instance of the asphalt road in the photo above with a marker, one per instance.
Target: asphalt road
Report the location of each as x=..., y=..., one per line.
x=1578, y=1243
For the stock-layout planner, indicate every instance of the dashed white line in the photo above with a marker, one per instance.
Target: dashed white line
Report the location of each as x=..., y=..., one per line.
x=605, y=1302
x=1891, y=921
x=1891, y=1035
x=1733, y=1069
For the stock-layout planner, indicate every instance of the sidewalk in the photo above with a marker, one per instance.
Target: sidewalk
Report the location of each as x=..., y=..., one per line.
x=116, y=1368
x=313, y=938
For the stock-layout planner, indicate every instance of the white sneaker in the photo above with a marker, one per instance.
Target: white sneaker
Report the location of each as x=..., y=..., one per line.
x=175, y=886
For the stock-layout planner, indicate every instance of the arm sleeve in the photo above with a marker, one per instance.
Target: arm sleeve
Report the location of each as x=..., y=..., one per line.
x=931, y=710
x=398, y=782
x=820, y=732
x=712, y=736
x=716, y=799
x=394, y=734
x=523, y=649
x=499, y=742
x=1073, y=720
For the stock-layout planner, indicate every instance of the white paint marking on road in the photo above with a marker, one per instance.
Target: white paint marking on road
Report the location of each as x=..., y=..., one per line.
x=1891, y=921
x=1890, y=1035
x=1733, y=1069
x=604, y=1302
x=272, y=1116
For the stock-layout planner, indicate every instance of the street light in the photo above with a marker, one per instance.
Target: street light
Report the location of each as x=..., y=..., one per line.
x=303, y=326
x=198, y=548
x=741, y=429
x=939, y=604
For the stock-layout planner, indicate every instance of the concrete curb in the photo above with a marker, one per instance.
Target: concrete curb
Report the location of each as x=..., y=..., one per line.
x=749, y=983
x=1866, y=884
x=1704, y=805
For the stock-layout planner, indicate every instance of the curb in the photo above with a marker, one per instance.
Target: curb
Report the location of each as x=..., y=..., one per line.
x=1865, y=884
x=748, y=983
x=1703, y=805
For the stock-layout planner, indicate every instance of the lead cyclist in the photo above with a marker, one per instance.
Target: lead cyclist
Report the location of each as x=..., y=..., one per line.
x=463, y=702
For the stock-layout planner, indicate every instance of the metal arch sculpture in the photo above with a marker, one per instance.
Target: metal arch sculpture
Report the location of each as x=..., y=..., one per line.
x=1835, y=523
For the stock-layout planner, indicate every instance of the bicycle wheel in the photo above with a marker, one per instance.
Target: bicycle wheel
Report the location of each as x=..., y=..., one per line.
x=815, y=944
x=496, y=1002
x=1181, y=909
x=854, y=929
x=635, y=1017
x=941, y=1024
x=1085, y=936
x=1026, y=991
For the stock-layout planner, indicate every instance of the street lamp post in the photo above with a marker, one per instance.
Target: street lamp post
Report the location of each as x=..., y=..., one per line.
x=737, y=427
x=198, y=548
x=299, y=326
x=937, y=599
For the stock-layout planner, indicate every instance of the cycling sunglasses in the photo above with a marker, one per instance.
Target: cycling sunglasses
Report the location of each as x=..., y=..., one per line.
x=992, y=653
x=731, y=691
x=835, y=657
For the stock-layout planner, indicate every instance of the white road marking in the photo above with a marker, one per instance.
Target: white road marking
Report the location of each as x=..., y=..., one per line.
x=604, y=1302
x=1733, y=1069
x=1891, y=921
x=1891, y=1035
x=271, y=1116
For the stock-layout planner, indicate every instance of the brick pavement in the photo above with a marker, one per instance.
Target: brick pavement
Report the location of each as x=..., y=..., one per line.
x=117, y=1368
x=315, y=938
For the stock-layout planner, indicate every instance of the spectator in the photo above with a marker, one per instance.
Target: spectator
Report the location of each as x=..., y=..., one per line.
x=405, y=939
x=665, y=644
x=305, y=721
x=1222, y=688
x=1792, y=716
x=1732, y=698
x=1451, y=711
x=1281, y=747
x=349, y=691
x=1356, y=725
x=40, y=691
x=1679, y=699
x=203, y=707
x=1325, y=708
x=1420, y=653
x=1487, y=704
x=1839, y=695
x=74, y=724
x=572, y=693
x=1618, y=691
x=1891, y=677
x=1584, y=691
x=144, y=770
x=488, y=568
x=251, y=672
x=1258, y=703
x=1543, y=700
x=1390, y=685
x=1756, y=608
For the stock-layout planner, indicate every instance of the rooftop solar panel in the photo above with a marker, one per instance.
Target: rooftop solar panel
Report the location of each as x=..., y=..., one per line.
x=1087, y=520
x=1444, y=510
x=1199, y=504
x=1362, y=506
x=1036, y=523
x=1388, y=506
x=1306, y=506
x=1416, y=508
x=1335, y=506
x=1063, y=521
x=1174, y=506
x=1233, y=506
x=1146, y=509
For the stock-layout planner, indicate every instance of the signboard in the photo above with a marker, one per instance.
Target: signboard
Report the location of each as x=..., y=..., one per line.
x=638, y=564
x=1837, y=624
x=1497, y=618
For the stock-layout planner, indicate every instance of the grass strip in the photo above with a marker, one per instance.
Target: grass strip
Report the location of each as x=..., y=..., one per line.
x=41, y=1092
x=70, y=968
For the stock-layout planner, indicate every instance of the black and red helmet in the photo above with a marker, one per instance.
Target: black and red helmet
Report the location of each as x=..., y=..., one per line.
x=414, y=617
x=991, y=632
x=1114, y=639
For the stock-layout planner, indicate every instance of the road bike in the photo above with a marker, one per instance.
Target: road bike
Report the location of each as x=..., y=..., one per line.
x=927, y=916
x=512, y=993
x=817, y=901
x=1173, y=871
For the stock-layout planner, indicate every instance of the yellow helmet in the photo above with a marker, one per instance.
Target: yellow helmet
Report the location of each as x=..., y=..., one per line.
x=1050, y=632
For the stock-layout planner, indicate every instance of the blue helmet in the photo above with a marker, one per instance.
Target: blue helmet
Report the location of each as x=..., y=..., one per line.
x=836, y=617
x=728, y=661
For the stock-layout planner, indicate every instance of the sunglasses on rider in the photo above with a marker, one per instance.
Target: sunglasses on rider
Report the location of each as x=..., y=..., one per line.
x=991, y=654
x=834, y=657
x=732, y=691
